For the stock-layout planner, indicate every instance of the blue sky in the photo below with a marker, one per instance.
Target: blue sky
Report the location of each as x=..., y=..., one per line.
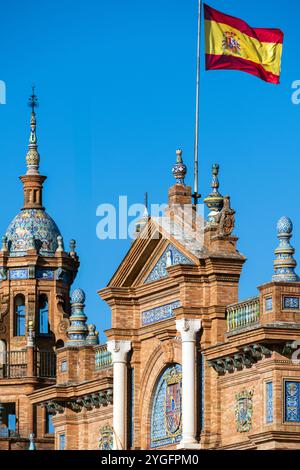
x=116, y=84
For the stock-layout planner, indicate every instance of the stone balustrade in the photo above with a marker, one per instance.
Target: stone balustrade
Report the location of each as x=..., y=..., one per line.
x=243, y=314
x=103, y=358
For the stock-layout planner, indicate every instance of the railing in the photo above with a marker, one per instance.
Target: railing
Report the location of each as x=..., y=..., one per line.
x=13, y=364
x=45, y=364
x=103, y=357
x=243, y=314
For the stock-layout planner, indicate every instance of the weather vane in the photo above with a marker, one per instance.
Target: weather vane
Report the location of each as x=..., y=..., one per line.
x=33, y=101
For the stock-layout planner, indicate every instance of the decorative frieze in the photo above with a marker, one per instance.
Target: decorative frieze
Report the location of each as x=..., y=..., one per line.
x=159, y=313
x=16, y=274
x=248, y=356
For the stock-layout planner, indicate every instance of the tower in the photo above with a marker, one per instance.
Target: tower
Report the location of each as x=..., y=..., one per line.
x=35, y=278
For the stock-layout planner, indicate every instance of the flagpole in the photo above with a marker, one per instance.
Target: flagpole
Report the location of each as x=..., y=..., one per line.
x=196, y=195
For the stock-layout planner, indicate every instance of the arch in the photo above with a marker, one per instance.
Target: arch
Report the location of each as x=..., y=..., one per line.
x=155, y=366
x=166, y=408
x=43, y=320
x=19, y=315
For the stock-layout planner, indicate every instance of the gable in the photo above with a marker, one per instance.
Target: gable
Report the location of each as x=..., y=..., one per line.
x=170, y=257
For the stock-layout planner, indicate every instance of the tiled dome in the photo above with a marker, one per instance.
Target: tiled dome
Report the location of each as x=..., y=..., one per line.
x=32, y=228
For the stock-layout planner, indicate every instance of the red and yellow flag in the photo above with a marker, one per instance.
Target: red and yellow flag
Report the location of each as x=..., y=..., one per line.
x=233, y=44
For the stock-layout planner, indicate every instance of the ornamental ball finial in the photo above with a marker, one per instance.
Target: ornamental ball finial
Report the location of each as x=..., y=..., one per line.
x=284, y=225
x=78, y=296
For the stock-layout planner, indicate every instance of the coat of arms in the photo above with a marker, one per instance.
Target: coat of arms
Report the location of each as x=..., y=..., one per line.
x=231, y=43
x=173, y=403
x=106, y=438
x=244, y=410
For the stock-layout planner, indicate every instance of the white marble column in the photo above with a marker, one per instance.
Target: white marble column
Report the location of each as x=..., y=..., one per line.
x=188, y=329
x=119, y=351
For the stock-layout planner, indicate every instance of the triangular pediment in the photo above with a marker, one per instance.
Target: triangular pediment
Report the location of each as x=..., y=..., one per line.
x=147, y=259
x=170, y=257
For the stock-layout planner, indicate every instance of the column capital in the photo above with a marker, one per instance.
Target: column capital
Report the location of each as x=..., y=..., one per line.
x=188, y=327
x=119, y=350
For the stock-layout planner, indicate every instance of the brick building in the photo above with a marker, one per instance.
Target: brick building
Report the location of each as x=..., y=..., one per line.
x=186, y=365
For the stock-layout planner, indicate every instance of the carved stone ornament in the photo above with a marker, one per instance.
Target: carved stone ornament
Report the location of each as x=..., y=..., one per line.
x=226, y=219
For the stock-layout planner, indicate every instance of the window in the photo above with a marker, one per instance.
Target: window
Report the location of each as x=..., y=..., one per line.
x=8, y=419
x=49, y=423
x=43, y=315
x=20, y=315
x=61, y=442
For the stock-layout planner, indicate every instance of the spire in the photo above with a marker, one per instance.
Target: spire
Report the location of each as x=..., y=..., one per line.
x=33, y=157
x=284, y=263
x=214, y=200
x=179, y=169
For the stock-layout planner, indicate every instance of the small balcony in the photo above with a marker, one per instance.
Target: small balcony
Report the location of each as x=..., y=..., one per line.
x=243, y=314
x=17, y=364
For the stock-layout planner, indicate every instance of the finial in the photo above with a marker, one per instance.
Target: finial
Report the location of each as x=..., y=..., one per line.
x=33, y=157
x=60, y=244
x=93, y=336
x=72, y=247
x=179, y=170
x=30, y=339
x=284, y=263
x=33, y=101
x=78, y=330
x=214, y=200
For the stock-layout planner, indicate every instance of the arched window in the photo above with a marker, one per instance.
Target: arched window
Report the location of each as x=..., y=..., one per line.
x=166, y=412
x=20, y=315
x=43, y=315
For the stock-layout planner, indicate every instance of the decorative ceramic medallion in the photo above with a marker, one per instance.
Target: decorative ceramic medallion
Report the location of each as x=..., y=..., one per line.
x=244, y=410
x=170, y=257
x=106, y=438
x=166, y=416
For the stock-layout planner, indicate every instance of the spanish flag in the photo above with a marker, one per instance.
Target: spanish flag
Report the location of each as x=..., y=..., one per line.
x=233, y=44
